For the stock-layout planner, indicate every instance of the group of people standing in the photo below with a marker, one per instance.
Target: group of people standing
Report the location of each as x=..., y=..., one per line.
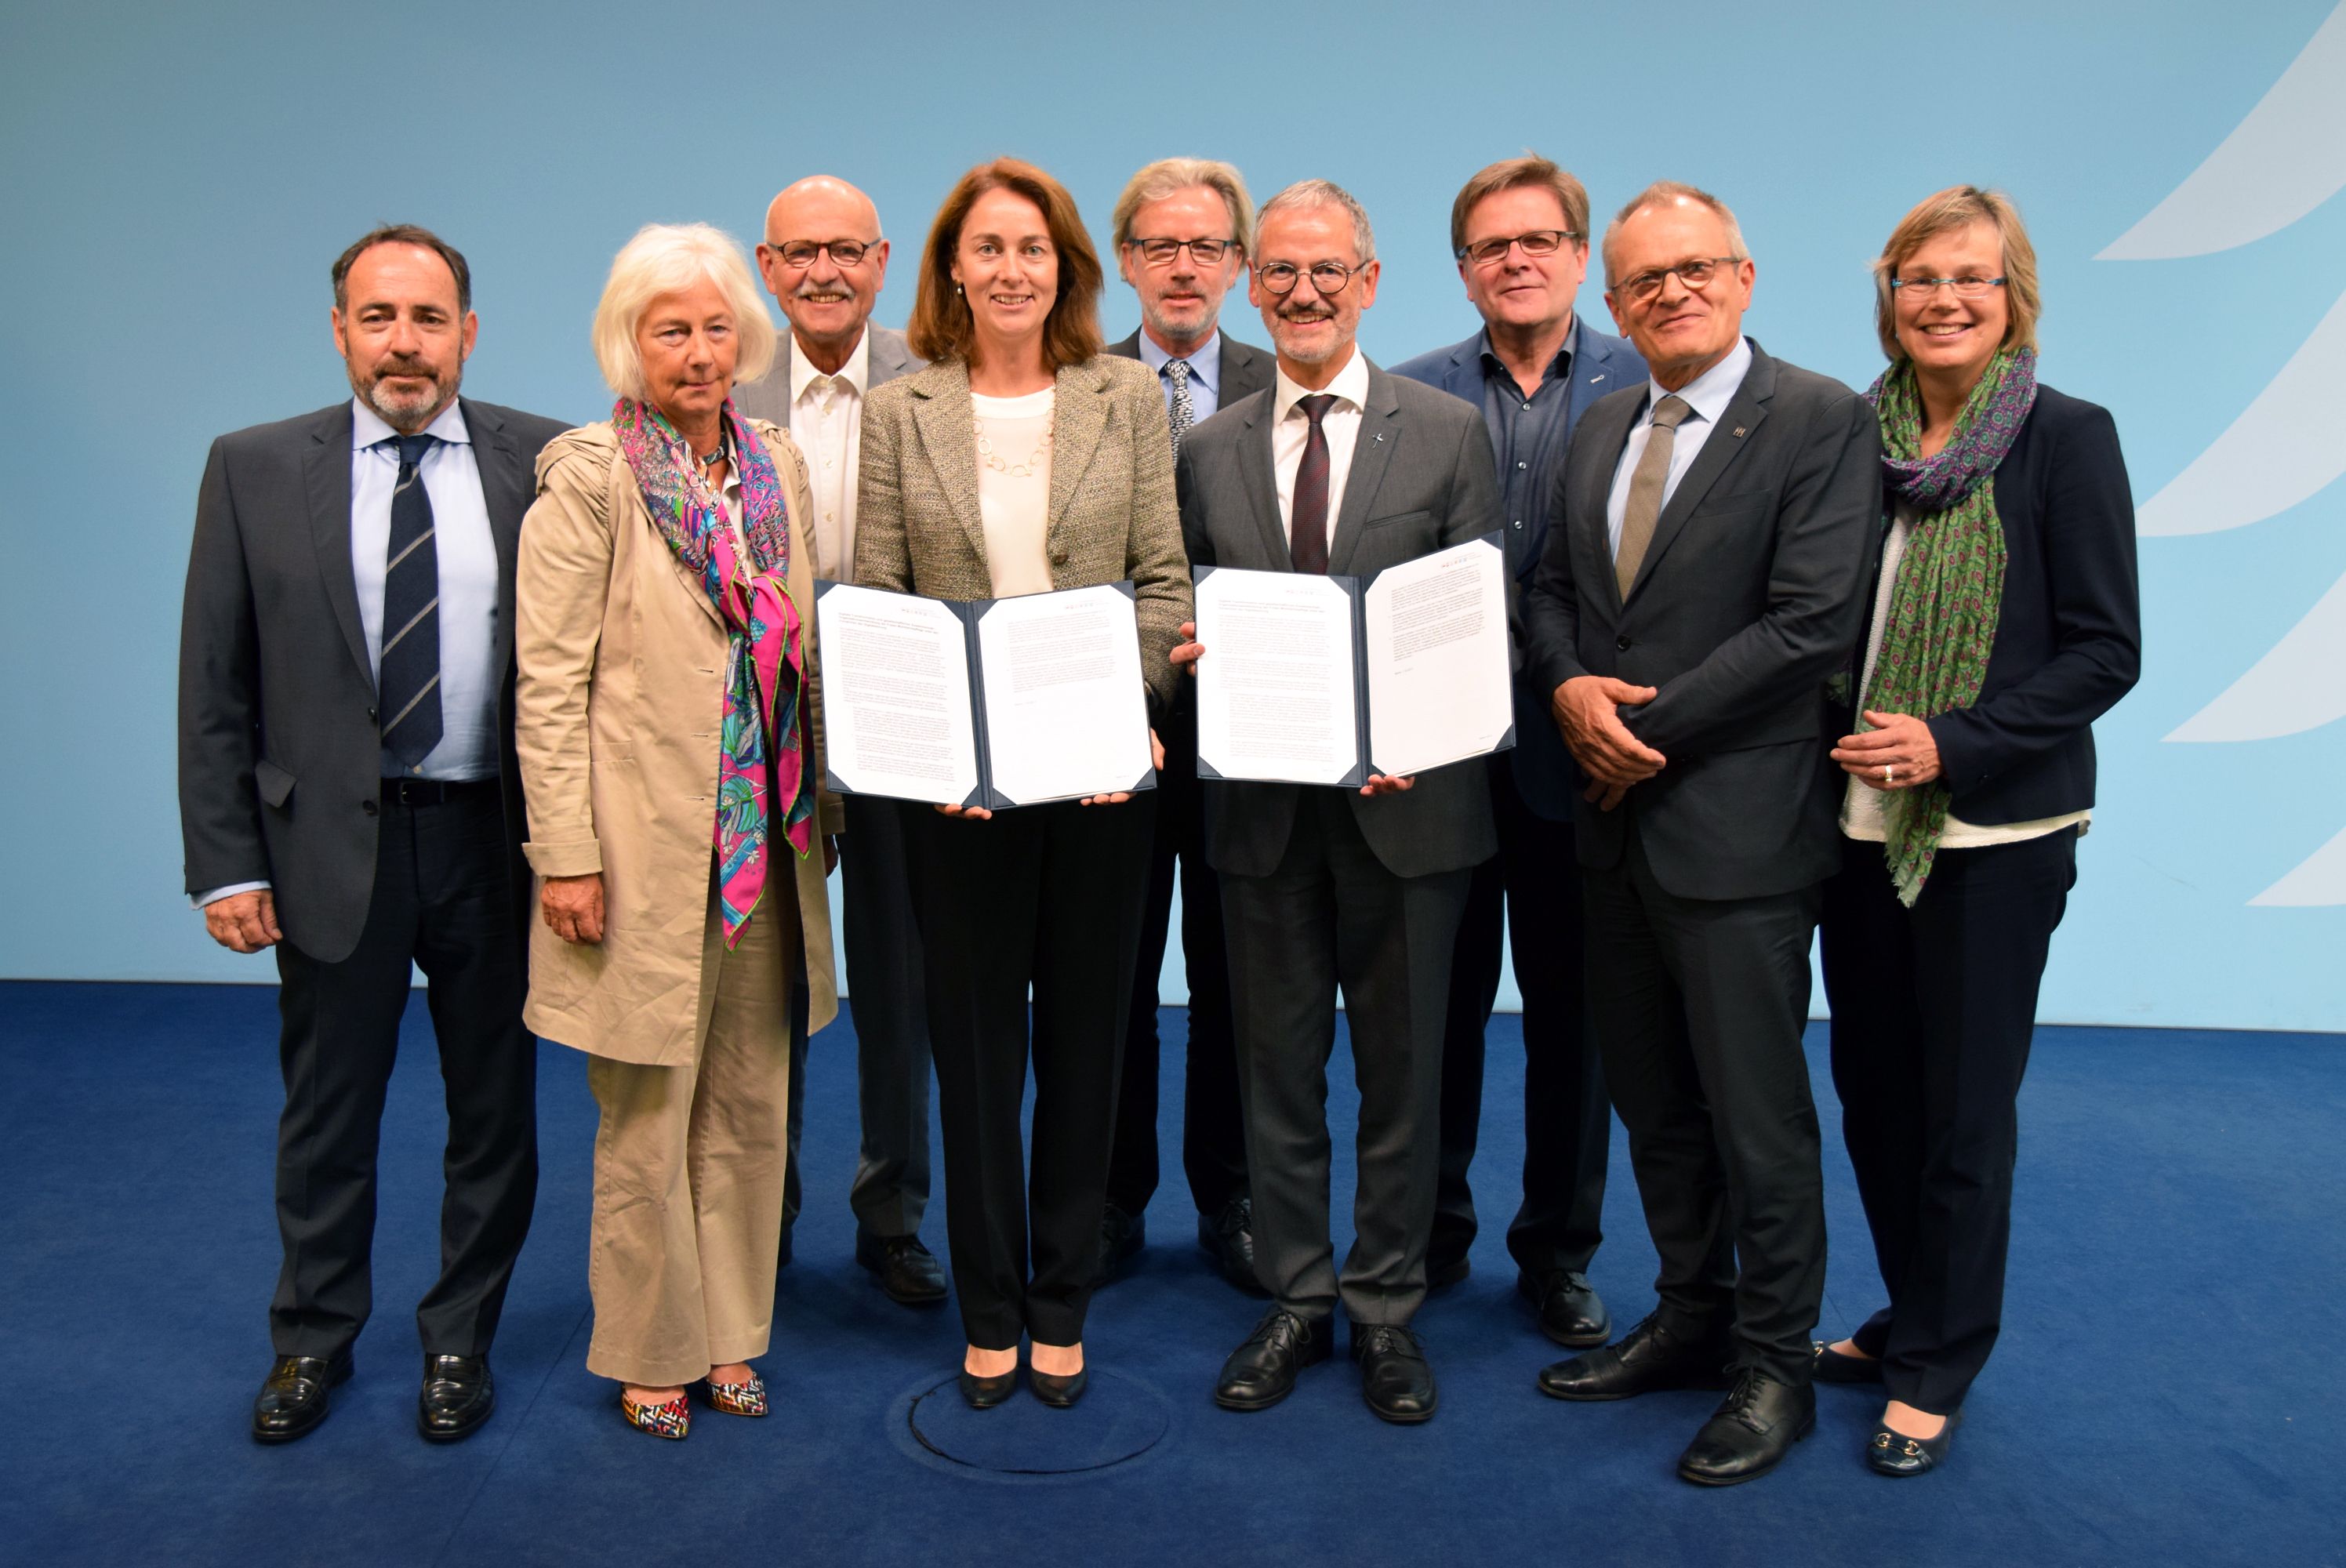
x=1788, y=657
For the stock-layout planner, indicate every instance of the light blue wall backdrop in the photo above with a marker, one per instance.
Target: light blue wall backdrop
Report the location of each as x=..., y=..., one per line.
x=177, y=179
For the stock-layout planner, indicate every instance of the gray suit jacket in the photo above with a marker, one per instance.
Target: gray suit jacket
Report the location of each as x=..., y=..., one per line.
x=768, y=397
x=1747, y=603
x=1246, y=370
x=280, y=758
x=1421, y=481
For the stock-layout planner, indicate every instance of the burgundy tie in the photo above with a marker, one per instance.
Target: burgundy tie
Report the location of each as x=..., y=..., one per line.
x=1307, y=531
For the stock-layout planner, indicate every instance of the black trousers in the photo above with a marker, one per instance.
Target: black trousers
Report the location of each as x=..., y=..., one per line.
x=1213, y=1130
x=1698, y=1004
x=1568, y=1119
x=1332, y=915
x=1934, y=1008
x=1047, y=896
x=881, y=941
x=445, y=899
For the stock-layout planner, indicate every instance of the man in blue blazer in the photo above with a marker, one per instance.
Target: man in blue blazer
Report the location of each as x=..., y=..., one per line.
x=1519, y=229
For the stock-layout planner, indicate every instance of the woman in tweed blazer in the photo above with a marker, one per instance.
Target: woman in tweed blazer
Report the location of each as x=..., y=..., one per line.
x=1020, y=460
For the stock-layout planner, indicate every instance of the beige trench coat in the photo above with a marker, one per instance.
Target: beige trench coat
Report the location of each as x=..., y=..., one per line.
x=620, y=702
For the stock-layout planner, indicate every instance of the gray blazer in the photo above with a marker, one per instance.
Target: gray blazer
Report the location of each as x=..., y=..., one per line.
x=1246, y=370
x=768, y=397
x=1747, y=604
x=1421, y=480
x=280, y=758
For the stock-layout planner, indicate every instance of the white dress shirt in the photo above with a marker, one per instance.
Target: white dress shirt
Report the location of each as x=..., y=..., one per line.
x=1290, y=429
x=1708, y=394
x=827, y=422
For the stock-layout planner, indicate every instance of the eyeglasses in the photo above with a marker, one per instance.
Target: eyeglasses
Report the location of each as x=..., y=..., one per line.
x=801, y=253
x=1539, y=242
x=1204, y=252
x=1695, y=274
x=1965, y=288
x=1328, y=277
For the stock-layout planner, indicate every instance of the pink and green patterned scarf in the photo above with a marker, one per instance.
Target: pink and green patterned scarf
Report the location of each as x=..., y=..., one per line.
x=1943, y=605
x=763, y=757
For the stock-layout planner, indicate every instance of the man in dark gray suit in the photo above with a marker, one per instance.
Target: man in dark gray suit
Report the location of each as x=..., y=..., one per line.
x=349, y=796
x=825, y=260
x=1338, y=467
x=1182, y=228
x=1700, y=586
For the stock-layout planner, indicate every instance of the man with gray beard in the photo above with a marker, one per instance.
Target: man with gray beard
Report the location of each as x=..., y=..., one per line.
x=825, y=262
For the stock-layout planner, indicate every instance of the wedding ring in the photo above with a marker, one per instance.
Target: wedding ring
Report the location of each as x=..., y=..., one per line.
x=1889, y=773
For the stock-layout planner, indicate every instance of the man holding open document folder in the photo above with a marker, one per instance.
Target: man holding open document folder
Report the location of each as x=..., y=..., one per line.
x=1338, y=467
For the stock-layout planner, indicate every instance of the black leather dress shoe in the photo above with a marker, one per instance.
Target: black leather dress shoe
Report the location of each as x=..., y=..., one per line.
x=1650, y=1358
x=906, y=1270
x=1896, y=1453
x=1263, y=1372
x=1750, y=1432
x=1059, y=1393
x=1394, y=1378
x=1122, y=1235
x=1569, y=1312
x=1829, y=1366
x=295, y=1397
x=985, y=1393
x=1228, y=1239
x=458, y=1395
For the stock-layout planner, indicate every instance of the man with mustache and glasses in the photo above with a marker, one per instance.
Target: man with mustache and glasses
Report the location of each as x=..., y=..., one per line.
x=1338, y=467
x=1181, y=230
x=1519, y=230
x=824, y=261
x=349, y=795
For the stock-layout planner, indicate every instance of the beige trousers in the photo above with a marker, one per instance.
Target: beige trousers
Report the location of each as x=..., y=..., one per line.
x=688, y=1165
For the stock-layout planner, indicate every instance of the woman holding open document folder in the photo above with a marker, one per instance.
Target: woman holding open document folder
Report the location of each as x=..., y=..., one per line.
x=1021, y=461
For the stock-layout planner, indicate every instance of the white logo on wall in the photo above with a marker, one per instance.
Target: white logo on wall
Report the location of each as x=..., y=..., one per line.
x=2286, y=159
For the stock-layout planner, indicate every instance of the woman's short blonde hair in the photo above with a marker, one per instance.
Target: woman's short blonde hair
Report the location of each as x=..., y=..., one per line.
x=666, y=259
x=1960, y=207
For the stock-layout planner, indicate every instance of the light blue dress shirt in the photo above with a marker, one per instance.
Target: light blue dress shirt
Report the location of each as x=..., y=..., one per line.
x=1708, y=394
x=1205, y=375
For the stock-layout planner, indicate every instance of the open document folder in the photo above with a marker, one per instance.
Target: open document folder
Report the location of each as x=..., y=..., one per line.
x=1315, y=679
x=992, y=702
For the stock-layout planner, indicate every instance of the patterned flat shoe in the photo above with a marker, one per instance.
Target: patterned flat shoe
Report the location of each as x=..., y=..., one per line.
x=671, y=1420
x=738, y=1399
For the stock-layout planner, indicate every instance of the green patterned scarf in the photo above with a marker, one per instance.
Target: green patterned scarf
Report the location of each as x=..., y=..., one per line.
x=1940, y=625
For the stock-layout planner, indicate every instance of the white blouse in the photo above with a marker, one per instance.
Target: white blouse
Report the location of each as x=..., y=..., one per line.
x=1013, y=509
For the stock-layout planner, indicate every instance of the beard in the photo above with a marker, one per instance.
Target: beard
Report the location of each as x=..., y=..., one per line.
x=1166, y=326
x=405, y=411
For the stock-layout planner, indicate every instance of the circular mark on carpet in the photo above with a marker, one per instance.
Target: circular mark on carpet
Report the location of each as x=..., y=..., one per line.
x=1118, y=1420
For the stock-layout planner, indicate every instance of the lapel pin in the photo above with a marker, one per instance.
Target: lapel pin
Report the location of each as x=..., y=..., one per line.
x=1380, y=435
x=1598, y=377
x=1739, y=430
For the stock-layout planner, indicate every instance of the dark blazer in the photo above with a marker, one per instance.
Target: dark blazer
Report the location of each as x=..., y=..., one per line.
x=1421, y=481
x=2068, y=631
x=1246, y=370
x=280, y=758
x=1749, y=600
x=1545, y=773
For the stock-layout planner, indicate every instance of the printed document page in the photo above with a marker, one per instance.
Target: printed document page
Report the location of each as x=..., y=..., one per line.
x=895, y=696
x=1436, y=629
x=1066, y=713
x=1275, y=698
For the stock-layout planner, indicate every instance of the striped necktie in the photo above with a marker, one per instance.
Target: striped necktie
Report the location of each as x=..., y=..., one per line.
x=408, y=679
x=1182, y=412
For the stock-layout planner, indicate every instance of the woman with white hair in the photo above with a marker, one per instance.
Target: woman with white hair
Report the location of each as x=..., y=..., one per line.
x=670, y=741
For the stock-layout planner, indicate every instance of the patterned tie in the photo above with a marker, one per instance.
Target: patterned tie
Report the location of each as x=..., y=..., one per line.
x=1645, y=506
x=409, y=678
x=1307, y=531
x=1183, y=412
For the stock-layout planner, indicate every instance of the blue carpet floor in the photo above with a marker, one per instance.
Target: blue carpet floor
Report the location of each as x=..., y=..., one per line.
x=2169, y=1389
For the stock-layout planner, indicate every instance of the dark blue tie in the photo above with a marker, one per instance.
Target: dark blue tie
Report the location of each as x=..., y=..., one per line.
x=408, y=681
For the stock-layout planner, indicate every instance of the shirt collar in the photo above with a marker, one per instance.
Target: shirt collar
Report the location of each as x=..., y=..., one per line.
x=1205, y=365
x=369, y=428
x=1708, y=394
x=1558, y=368
x=857, y=369
x=1350, y=385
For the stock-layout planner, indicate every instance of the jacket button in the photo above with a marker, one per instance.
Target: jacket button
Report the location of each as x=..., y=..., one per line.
x=1621, y=644
x=1058, y=557
x=368, y=807
x=370, y=713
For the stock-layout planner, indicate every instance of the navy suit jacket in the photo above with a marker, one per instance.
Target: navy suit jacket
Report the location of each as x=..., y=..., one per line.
x=1545, y=773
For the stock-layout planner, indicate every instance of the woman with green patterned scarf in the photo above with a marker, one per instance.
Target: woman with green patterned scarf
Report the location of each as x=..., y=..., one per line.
x=2004, y=622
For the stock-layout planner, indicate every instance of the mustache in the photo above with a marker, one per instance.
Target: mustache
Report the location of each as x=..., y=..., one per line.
x=810, y=291
x=1306, y=313
x=403, y=365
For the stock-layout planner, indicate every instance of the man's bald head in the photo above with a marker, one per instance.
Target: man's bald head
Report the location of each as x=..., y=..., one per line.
x=826, y=297
x=822, y=201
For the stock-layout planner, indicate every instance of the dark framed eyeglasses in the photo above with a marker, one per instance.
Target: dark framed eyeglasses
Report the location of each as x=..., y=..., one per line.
x=1328, y=277
x=801, y=253
x=1204, y=252
x=1966, y=288
x=1695, y=274
x=1539, y=242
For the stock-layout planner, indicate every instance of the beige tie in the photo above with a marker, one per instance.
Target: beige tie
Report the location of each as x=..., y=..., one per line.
x=1644, y=507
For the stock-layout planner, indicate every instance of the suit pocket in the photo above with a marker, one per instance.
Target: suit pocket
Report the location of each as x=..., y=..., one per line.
x=1397, y=520
x=276, y=785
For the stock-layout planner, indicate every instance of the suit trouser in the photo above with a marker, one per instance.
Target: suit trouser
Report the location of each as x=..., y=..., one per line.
x=1332, y=915
x=444, y=897
x=1568, y=1119
x=1700, y=1004
x=883, y=946
x=1213, y=1131
x=689, y=1166
x=1047, y=896
x=1934, y=1008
